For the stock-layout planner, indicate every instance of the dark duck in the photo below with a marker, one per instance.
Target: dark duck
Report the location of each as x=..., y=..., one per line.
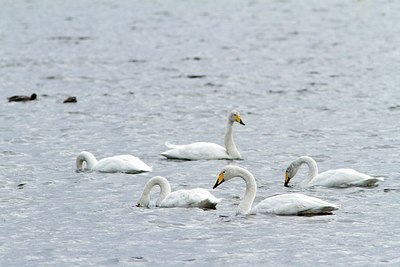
x=21, y=98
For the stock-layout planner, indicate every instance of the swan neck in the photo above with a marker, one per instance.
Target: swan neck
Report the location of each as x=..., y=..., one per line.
x=250, y=194
x=229, y=143
x=85, y=157
x=312, y=167
x=165, y=188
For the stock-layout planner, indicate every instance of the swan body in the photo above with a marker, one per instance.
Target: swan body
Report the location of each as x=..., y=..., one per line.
x=331, y=178
x=184, y=198
x=121, y=163
x=283, y=204
x=293, y=204
x=196, y=151
x=205, y=150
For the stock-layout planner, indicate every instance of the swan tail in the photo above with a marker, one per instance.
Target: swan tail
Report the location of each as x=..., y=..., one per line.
x=373, y=181
x=171, y=146
x=139, y=171
x=207, y=204
x=139, y=167
x=172, y=153
x=326, y=210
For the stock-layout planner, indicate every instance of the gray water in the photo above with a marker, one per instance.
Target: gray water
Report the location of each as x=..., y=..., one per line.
x=317, y=78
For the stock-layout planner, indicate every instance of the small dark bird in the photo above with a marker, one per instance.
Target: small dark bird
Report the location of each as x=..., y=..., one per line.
x=71, y=99
x=21, y=98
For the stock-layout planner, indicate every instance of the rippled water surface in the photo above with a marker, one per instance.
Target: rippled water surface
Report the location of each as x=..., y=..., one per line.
x=318, y=78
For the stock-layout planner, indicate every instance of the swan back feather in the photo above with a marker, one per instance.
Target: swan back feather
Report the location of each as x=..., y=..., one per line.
x=198, y=197
x=122, y=163
x=344, y=178
x=294, y=204
x=196, y=151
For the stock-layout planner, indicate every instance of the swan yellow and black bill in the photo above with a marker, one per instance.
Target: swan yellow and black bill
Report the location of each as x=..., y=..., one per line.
x=287, y=179
x=220, y=180
x=239, y=119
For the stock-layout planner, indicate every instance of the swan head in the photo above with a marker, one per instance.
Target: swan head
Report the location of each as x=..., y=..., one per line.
x=291, y=172
x=143, y=202
x=234, y=116
x=226, y=174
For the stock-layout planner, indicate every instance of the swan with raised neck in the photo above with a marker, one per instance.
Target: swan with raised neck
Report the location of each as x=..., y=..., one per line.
x=230, y=146
x=207, y=150
x=230, y=172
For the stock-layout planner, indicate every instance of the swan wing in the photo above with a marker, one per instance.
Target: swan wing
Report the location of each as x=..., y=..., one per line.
x=198, y=197
x=344, y=178
x=196, y=151
x=294, y=204
x=122, y=163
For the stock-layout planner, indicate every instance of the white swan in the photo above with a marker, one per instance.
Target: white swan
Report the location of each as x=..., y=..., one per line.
x=205, y=150
x=121, y=163
x=331, y=178
x=184, y=198
x=284, y=204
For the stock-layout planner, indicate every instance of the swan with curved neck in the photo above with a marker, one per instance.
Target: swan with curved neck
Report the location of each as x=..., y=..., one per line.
x=283, y=204
x=121, y=163
x=184, y=198
x=331, y=178
x=205, y=150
